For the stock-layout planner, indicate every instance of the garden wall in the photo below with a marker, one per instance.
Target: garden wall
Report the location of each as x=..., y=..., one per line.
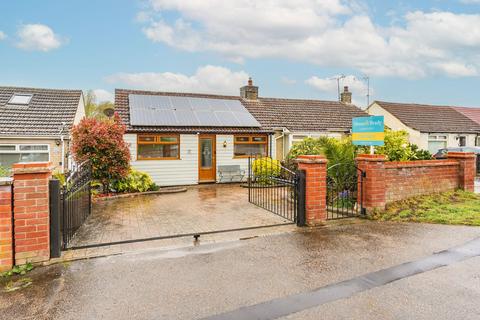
x=30, y=241
x=385, y=182
x=407, y=179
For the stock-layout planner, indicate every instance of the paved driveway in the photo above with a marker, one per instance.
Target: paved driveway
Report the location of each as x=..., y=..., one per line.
x=206, y=280
x=201, y=208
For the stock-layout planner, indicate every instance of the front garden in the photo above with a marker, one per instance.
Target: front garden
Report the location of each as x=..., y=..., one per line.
x=455, y=207
x=100, y=141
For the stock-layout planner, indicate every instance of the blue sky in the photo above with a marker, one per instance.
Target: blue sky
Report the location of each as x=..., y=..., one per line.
x=412, y=51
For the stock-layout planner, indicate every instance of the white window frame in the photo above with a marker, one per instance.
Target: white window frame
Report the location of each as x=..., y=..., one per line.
x=17, y=148
x=26, y=96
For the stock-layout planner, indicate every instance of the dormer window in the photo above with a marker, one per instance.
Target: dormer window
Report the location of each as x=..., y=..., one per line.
x=22, y=99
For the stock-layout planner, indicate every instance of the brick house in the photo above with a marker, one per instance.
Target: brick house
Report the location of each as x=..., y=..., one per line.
x=184, y=138
x=430, y=127
x=35, y=124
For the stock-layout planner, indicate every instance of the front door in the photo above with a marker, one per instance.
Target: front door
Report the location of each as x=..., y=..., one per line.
x=206, y=158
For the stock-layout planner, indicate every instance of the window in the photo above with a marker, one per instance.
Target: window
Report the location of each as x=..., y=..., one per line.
x=462, y=141
x=14, y=153
x=245, y=146
x=436, y=142
x=20, y=99
x=158, y=147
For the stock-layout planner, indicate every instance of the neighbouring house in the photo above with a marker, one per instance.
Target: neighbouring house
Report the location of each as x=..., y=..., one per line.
x=188, y=138
x=293, y=120
x=430, y=127
x=35, y=124
x=472, y=113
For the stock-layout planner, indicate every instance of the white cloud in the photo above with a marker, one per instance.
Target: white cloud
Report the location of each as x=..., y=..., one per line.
x=2, y=35
x=330, y=84
x=37, y=37
x=358, y=87
x=207, y=79
x=103, y=95
x=332, y=33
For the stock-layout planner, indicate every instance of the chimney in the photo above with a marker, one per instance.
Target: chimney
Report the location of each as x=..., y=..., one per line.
x=346, y=96
x=249, y=92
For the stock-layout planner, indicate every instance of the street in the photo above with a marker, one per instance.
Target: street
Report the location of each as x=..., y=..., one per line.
x=210, y=279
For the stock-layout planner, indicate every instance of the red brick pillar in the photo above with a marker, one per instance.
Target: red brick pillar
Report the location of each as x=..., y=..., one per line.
x=6, y=250
x=467, y=170
x=373, y=190
x=315, y=188
x=31, y=212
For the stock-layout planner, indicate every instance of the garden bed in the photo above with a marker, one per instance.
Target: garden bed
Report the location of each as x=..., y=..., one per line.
x=459, y=207
x=112, y=196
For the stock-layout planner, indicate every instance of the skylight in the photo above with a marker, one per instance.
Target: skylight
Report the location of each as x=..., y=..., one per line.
x=23, y=99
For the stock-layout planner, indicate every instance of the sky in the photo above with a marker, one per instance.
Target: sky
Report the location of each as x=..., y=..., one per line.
x=425, y=51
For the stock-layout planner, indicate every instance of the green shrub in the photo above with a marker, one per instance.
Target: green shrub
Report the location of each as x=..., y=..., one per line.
x=60, y=177
x=397, y=147
x=135, y=181
x=4, y=172
x=266, y=167
x=420, y=154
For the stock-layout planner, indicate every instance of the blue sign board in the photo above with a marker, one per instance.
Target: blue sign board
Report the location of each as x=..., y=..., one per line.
x=368, y=131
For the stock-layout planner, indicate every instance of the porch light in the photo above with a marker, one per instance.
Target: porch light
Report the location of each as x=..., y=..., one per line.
x=225, y=143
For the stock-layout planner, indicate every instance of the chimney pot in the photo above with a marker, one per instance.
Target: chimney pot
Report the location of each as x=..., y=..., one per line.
x=250, y=81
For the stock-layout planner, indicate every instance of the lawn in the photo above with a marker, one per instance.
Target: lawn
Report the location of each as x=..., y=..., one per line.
x=457, y=207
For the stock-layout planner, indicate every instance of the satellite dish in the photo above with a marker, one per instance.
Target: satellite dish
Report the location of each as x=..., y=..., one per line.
x=109, y=112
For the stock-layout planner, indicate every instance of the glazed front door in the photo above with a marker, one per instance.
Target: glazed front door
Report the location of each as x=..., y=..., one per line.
x=206, y=158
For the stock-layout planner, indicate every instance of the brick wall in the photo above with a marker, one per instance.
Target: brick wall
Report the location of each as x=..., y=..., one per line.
x=31, y=212
x=6, y=252
x=387, y=182
x=412, y=178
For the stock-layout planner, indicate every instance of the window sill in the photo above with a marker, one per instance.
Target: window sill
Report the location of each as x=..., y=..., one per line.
x=156, y=159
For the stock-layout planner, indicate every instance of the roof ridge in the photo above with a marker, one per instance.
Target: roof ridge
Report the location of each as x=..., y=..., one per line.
x=417, y=104
x=181, y=94
x=40, y=89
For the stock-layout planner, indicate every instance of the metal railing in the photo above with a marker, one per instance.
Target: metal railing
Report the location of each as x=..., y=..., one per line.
x=344, y=191
x=276, y=188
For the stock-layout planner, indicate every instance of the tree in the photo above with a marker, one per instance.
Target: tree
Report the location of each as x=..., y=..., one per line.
x=94, y=109
x=101, y=142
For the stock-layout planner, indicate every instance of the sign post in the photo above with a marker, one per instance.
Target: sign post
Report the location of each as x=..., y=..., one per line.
x=368, y=131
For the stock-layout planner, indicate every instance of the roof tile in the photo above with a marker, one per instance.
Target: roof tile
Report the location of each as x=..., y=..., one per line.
x=43, y=116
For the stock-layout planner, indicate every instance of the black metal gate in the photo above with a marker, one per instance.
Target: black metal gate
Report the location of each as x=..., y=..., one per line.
x=277, y=189
x=71, y=204
x=344, y=191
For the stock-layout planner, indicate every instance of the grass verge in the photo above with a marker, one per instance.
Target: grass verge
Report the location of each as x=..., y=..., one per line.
x=456, y=207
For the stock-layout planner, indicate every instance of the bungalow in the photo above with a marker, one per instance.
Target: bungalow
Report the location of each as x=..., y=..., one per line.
x=430, y=127
x=35, y=124
x=188, y=138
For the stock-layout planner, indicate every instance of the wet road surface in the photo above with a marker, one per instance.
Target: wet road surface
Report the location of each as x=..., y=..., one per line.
x=206, y=280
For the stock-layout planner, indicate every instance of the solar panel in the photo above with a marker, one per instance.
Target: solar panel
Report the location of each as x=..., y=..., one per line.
x=155, y=110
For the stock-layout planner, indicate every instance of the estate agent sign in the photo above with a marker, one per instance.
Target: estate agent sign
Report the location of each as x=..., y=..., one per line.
x=368, y=131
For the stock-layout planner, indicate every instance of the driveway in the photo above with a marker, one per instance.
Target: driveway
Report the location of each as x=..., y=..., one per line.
x=203, y=208
x=206, y=280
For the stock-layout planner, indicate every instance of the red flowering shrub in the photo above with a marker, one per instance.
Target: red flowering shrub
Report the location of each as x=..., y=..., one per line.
x=101, y=142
